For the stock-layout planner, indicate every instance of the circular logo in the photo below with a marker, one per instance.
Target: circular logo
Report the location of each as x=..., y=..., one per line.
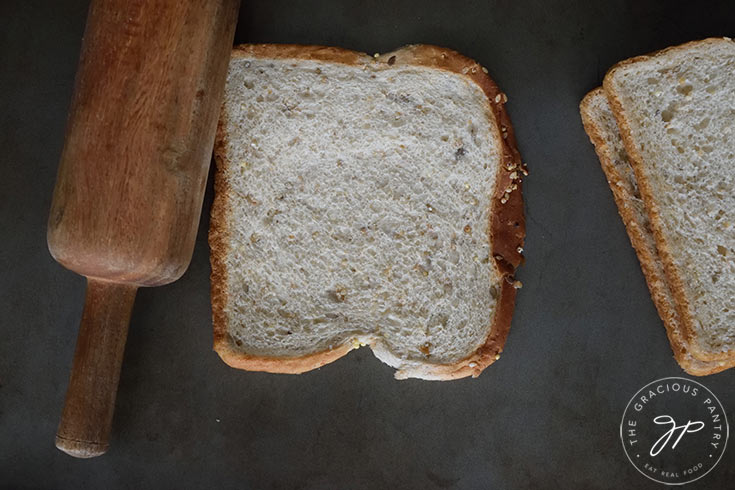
x=674, y=431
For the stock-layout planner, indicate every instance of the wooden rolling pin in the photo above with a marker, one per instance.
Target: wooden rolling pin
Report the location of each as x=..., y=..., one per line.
x=132, y=175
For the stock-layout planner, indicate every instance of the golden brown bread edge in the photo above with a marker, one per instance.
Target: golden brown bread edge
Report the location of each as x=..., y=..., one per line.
x=647, y=256
x=507, y=227
x=673, y=276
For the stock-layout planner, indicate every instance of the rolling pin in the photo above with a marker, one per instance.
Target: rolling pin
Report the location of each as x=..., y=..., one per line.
x=131, y=180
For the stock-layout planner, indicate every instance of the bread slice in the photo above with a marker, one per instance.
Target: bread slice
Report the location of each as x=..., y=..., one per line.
x=675, y=111
x=599, y=123
x=364, y=200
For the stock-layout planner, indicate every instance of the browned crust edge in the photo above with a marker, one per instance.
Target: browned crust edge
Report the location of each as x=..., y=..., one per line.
x=673, y=275
x=219, y=237
x=507, y=227
x=647, y=256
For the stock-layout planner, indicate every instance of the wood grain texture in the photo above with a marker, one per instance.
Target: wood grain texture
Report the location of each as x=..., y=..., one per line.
x=139, y=139
x=130, y=186
x=85, y=425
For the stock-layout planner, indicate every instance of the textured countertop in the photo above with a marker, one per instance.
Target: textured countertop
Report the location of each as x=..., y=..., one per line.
x=585, y=336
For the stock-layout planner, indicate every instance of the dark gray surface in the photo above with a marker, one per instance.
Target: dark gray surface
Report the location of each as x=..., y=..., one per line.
x=585, y=336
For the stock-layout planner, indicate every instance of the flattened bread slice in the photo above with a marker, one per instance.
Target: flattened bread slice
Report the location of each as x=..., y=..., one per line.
x=675, y=110
x=364, y=200
x=599, y=123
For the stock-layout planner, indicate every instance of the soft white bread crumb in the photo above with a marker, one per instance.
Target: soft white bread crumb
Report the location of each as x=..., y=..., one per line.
x=676, y=110
x=600, y=125
x=358, y=212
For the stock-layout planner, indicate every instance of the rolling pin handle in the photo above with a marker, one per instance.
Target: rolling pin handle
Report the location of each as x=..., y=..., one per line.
x=84, y=431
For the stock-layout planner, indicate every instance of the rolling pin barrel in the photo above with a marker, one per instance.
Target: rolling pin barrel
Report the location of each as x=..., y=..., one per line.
x=131, y=180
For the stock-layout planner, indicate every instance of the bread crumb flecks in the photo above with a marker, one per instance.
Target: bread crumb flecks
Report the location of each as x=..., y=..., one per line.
x=306, y=240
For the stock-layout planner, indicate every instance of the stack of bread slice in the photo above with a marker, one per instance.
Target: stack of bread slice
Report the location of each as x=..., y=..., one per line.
x=663, y=127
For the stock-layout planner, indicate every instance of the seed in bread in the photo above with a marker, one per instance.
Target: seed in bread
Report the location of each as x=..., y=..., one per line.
x=365, y=162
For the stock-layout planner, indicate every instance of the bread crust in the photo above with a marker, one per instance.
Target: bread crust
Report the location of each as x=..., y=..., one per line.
x=219, y=237
x=647, y=256
x=673, y=275
x=507, y=226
